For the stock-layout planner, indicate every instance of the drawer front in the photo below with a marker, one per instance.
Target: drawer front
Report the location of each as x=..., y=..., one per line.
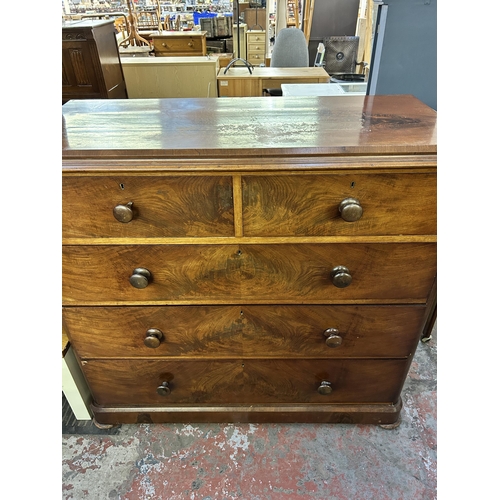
x=256, y=47
x=308, y=205
x=256, y=38
x=161, y=206
x=248, y=331
x=135, y=382
x=256, y=57
x=183, y=45
x=249, y=273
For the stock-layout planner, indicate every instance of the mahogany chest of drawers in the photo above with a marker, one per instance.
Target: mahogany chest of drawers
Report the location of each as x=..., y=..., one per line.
x=248, y=259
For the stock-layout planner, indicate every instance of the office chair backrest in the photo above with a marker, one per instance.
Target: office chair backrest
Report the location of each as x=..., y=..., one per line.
x=290, y=49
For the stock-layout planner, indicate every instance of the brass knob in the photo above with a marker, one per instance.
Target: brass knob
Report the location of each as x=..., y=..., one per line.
x=341, y=276
x=140, y=277
x=163, y=389
x=350, y=209
x=163, y=44
x=190, y=44
x=325, y=388
x=333, y=337
x=153, y=338
x=124, y=213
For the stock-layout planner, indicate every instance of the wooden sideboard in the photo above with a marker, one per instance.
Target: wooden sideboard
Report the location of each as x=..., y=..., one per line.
x=91, y=67
x=158, y=77
x=232, y=260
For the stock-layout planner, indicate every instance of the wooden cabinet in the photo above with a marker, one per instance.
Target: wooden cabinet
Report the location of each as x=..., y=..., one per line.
x=180, y=43
x=224, y=262
x=157, y=77
x=256, y=47
x=91, y=67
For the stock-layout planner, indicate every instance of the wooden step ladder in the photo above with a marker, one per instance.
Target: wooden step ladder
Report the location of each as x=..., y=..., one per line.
x=292, y=14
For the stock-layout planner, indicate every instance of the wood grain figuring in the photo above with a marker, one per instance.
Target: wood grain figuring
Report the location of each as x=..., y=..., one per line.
x=393, y=204
x=245, y=331
x=250, y=127
x=235, y=273
x=164, y=207
x=244, y=381
x=235, y=217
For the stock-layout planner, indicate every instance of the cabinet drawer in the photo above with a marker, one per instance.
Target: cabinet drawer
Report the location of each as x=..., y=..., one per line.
x=256, y=38
x=248, y=331
x=182, y=45
x=247, y=273
x=256, y=47
x=308, y=205
x=256, y=57
x=135, y=382
x=161, y=206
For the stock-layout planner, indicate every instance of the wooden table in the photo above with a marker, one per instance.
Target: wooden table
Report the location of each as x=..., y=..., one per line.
x=238, y=82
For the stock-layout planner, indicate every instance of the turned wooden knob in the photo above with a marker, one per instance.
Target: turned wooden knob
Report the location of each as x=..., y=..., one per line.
x=153, y=338
x=341, y=276
x=140, y=277
x=333, y=337
x=325, y=388
x=124, y=213
x=163, y=389
x=350, y=209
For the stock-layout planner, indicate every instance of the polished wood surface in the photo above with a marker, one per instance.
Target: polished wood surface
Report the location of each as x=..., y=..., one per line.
x=245, y=331
x=239, y=82
x=124, y=382
x=252, y=127
x=163, y=207
x=185, y=274
x=307, y=205
x=199, y=244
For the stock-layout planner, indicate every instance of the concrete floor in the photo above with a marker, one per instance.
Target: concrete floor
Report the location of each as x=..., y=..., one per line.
x=265, y=462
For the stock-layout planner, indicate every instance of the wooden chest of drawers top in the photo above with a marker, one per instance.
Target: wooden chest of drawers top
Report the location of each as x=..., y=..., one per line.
x=314, y=131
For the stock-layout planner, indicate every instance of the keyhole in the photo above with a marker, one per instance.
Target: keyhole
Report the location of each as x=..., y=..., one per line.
x=122, y=186
x=353, y=184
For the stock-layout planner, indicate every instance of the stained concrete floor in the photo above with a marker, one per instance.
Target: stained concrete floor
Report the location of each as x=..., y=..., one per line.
x=265, y=461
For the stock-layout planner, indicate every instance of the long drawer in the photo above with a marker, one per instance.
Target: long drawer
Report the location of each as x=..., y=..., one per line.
x=177, y=206
x=163, y=383
x=308, y=205
x=249, y=331
x=233, y=274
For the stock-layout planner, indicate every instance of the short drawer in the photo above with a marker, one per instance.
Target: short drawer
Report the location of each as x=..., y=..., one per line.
x=248, y=331
x=304, y=273
x=256, y=57
x=256, y=38
x=147, y=206
x=310, y=205
x=256, y=47
x=163, y=382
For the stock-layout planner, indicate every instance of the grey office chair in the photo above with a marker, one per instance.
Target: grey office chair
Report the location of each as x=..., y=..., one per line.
x=289, y=51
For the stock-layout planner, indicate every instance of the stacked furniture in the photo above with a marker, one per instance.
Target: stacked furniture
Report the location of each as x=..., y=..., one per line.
x=228, y=261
